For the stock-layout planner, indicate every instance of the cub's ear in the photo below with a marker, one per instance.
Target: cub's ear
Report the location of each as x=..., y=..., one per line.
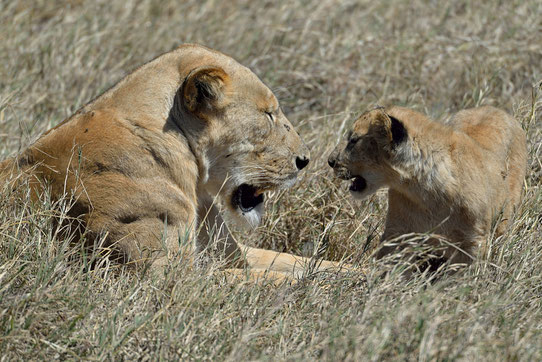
x=398, y=131
x=203, y=89
x=389, y=130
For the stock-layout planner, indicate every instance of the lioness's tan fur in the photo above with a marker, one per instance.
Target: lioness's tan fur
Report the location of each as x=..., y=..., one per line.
x=148, y=161
x=455, y=180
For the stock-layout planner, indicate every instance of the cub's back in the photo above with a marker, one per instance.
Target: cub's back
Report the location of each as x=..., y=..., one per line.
x=491, y=128
x=502, y=139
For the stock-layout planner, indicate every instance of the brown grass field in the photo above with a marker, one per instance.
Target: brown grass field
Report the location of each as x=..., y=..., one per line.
x=327, y=61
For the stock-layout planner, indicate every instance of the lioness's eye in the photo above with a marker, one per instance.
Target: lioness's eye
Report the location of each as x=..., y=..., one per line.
x=271, y=116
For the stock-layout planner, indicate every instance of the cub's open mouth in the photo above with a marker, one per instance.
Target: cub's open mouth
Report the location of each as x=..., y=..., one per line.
x=358, y=184
x=247, y=197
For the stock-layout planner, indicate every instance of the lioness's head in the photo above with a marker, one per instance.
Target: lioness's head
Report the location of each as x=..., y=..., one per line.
x=365, y=155
x=243, y=142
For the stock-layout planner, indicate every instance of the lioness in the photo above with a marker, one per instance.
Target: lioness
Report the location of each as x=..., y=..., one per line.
x=147, y=161
x=452, y=180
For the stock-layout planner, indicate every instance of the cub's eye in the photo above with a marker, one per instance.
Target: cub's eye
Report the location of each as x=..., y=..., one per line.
x=353, y=140
x=271, y=116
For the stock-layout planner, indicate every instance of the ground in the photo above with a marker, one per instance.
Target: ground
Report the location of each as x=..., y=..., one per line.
x=327, y=61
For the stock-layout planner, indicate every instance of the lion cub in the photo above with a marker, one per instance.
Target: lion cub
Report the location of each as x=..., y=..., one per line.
x=452, y=180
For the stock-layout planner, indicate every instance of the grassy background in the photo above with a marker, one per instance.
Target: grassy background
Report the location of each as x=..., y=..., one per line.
x=327, y=61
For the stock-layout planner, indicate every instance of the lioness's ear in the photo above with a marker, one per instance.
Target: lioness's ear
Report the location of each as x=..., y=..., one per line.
x=203, y=89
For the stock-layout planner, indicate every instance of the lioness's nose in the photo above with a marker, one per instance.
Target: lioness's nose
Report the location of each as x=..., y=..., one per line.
x=301, y=162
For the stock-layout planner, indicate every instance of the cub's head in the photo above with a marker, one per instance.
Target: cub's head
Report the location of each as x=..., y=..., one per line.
x=243, y=142
x=365, y=155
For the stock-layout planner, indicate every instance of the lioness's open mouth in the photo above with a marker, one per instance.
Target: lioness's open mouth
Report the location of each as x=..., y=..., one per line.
x=247, y=197
x=358, y=184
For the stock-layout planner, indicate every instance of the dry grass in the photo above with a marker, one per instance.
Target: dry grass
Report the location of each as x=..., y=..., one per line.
x=327, y=60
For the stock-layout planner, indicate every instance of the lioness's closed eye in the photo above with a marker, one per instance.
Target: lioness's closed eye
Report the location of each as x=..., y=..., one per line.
x=183, y=132
x=453, y=180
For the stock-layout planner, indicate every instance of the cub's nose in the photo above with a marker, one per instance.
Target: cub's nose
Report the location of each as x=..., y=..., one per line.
x=301, y=162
